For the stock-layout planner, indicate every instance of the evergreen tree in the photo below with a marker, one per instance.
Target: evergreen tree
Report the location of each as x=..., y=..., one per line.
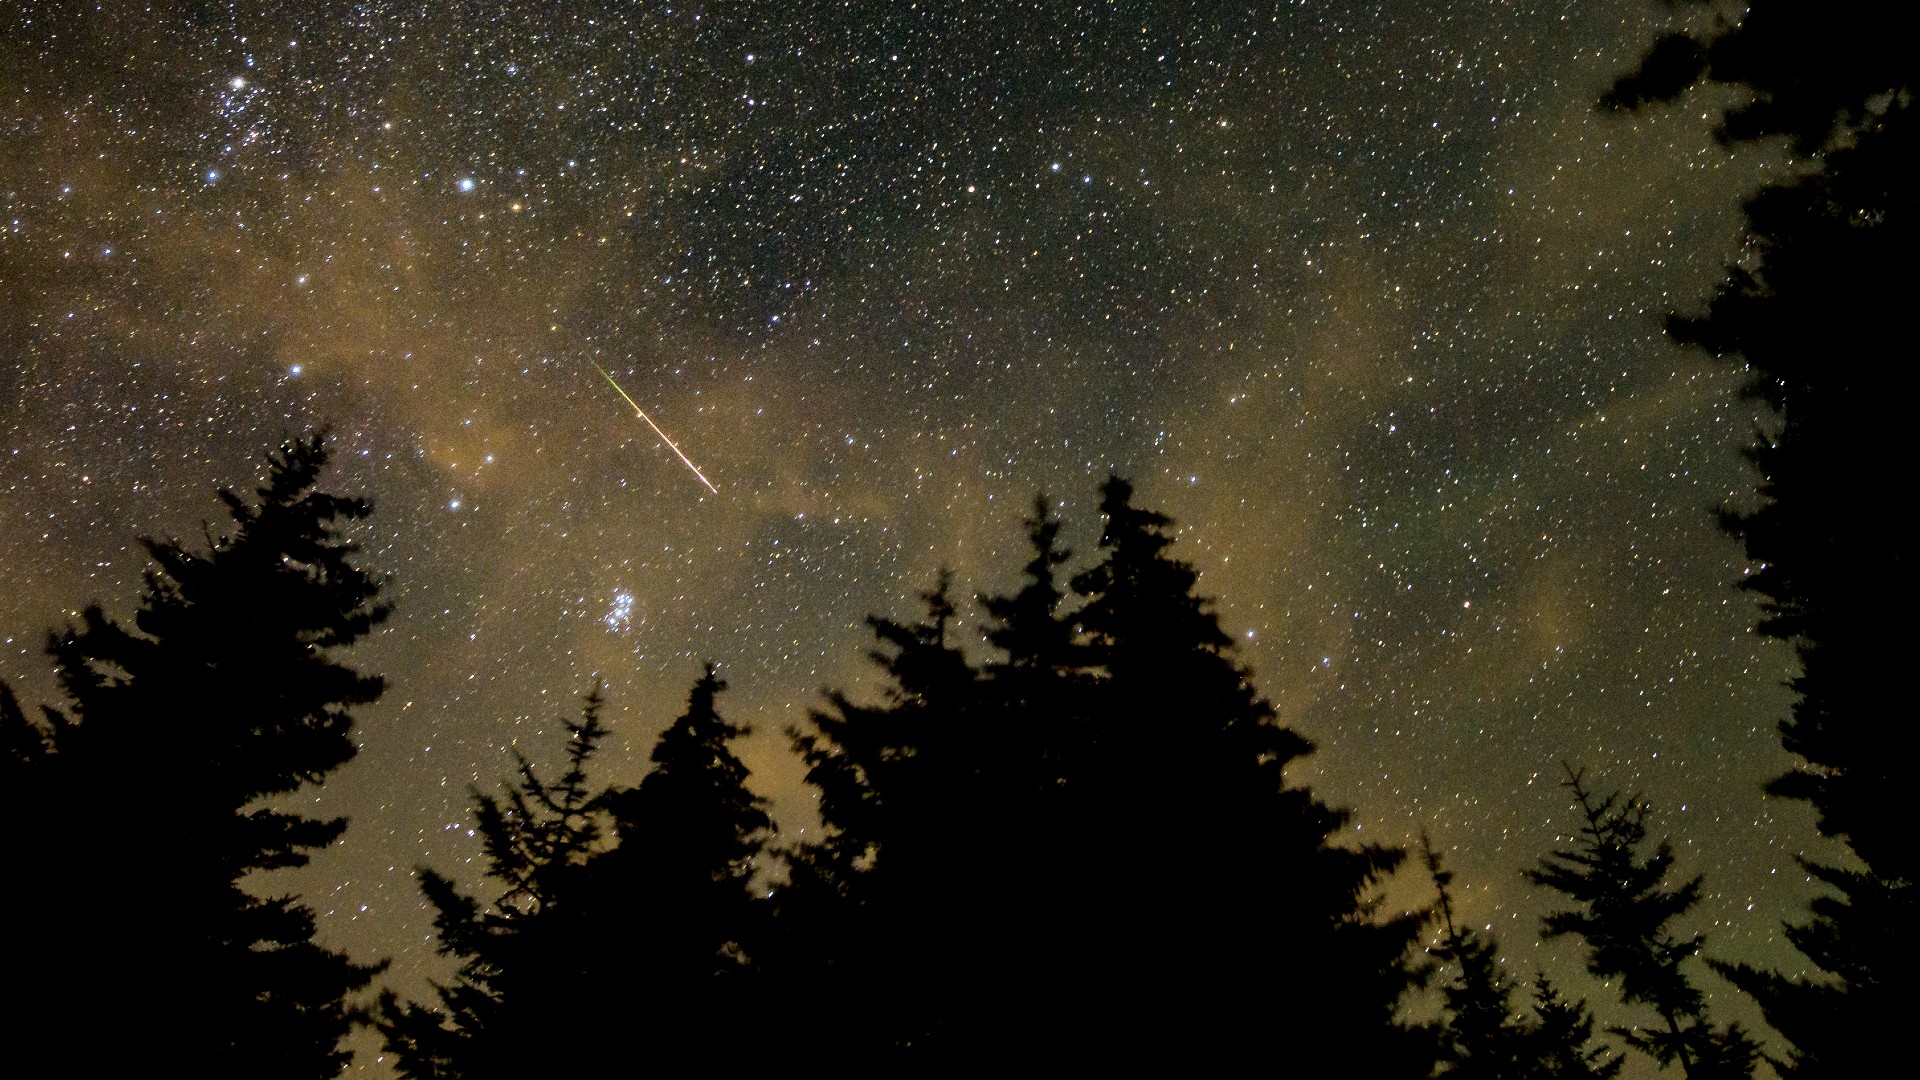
x=676, y=913
x=1034, y=636
x=1562, y=1037
x=23, y=747
x=1040, y=687
x=622, y=927
x=1623, y=912
x=1087, y=845
x=1483, y=1037
x=519, y=990
x=949, y=862
x=1230, y=874
x=141, y=808
x=1035, y=708
x=889, y=910
x=1819, y=293
x=1825, y=568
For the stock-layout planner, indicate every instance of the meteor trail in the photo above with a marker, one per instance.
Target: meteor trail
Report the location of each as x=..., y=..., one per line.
x=642, y=414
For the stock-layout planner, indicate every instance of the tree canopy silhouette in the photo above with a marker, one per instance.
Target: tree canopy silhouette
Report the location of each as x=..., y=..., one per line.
x=1483, y=1038
x=1811, y=308
x=622, y=926
x=519, y=992
x=139, y=809
x=1623, y=911
x=898, y=911
x=1087, y=844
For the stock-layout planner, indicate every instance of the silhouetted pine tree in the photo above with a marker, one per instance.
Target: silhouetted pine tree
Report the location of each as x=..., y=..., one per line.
x=1825, y=573
x=1821, y=290
x=1040, y=685
x=1482, y=1036
x=620, y=934
x=676, y=918
x=23, y=746
x=947, y=887
x=1035, y=637
x=1562, y=1037
x=889, y=909
x=1033, y=705
x=1087, y=846
x=519, y=990
x=1231, y=924
x=1624, y=913
x=140, y=809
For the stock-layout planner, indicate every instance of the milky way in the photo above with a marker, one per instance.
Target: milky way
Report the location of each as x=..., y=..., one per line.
x=1367, y=295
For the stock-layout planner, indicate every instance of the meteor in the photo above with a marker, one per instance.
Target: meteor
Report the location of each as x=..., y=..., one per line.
x=642, y=414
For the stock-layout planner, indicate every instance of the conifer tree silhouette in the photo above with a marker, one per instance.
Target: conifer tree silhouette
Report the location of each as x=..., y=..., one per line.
x=518, y=988
x=1039, y=686
x=1086, y=847
x=1231, y=872
x=1034, y=701
x=1562, y=1038
x=1028, y=627
x=1483, y=1038
x=23, y=746
x=675, y=904
x=1820, y=290
x=1839, y=237
x=1623, y=912
x=874, y=907
x=621, y=930
x=143, y=806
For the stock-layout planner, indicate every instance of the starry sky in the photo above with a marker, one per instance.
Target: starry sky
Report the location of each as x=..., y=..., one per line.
x=1366, y=294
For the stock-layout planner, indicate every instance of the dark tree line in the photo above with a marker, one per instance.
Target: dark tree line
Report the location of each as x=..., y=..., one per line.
x=1080, y=848
x=1064, y=834
x=1814, y=310
x=1083, y=847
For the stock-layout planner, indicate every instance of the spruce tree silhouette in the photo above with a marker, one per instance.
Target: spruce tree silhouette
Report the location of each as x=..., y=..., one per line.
x=23, y=746
x=1825, y=575
x=1035, y=697
x=886, y=910
x=1483, y=1039
x=621, y=931
x=141, y=808
x=518, y=994
x=1562, y=1037
x=1039, y=684
x=1230, y=873
x=676, y=910
x=1085, y=850
x=1623, y=911
x=1819, y=292
x=1028, y=627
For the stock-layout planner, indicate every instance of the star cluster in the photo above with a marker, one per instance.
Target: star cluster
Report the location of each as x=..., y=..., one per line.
x=1367, y=295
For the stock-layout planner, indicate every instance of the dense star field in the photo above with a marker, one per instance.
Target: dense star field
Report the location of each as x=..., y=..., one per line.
x=1368, y=296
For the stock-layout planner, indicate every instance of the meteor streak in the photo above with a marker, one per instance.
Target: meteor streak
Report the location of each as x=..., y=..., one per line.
x=642, y=414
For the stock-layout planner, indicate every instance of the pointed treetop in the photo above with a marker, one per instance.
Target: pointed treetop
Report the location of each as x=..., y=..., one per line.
x=1139, y=598
x=1027, y=625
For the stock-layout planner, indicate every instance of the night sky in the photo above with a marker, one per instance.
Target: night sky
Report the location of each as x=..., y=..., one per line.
x=1367, y=295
